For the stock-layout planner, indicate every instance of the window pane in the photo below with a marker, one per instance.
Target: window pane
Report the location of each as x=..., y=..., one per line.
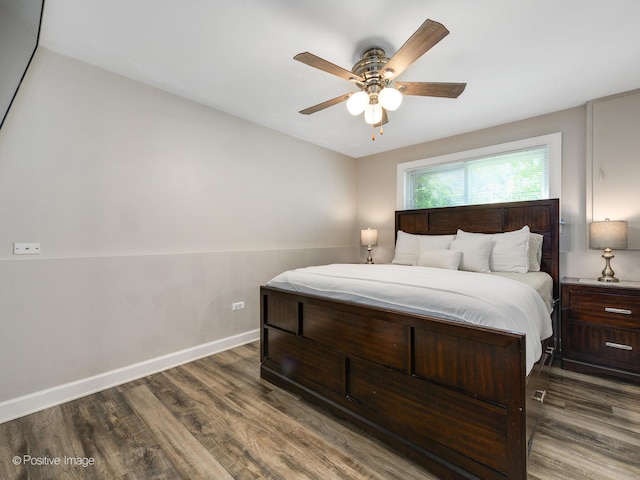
x=439, y=188
x=507, y=177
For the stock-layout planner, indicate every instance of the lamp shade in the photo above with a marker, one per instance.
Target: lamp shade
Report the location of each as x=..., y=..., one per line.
x=608, y=234
x=369, y=237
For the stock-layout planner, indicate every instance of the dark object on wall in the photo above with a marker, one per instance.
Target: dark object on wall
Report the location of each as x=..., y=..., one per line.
x=19, y=33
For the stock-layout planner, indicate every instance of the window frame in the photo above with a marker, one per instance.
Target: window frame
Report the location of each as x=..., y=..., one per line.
x=553, y=141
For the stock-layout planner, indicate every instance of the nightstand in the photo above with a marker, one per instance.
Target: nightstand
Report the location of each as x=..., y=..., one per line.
x=601, y=327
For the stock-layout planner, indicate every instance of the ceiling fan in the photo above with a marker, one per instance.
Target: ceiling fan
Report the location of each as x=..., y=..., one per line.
x=374, y=74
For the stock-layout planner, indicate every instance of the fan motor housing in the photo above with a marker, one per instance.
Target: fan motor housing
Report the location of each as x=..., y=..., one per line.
x=370, y=67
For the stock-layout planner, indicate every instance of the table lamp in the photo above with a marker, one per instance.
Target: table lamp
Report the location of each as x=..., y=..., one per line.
x=608, y=235
x=369, y=238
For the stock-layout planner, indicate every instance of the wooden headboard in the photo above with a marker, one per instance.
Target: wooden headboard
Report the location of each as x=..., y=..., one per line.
x=542, y=216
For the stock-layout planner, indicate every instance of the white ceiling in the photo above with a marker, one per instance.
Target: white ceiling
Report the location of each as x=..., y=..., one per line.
x=519, y=58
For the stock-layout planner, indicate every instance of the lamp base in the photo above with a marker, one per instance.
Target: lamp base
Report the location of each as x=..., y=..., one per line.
x=608, y=279
x=608, y=273
x=369, y=258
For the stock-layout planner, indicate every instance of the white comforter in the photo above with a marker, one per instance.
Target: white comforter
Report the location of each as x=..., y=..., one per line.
x=476, y=298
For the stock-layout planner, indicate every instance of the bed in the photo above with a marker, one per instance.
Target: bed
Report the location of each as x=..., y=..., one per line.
x=462, y=399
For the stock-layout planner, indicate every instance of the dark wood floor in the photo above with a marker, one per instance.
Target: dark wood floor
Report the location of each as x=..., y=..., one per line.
x=215, y=419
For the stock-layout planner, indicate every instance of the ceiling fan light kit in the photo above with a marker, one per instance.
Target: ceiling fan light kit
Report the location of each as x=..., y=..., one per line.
x=374, y=74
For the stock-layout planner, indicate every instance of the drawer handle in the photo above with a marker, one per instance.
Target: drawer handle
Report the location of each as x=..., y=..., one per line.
x=538, y=395
x=622, y=311
x=618, y=345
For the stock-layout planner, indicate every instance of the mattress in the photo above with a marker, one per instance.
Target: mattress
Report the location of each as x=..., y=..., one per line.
x=494, y=301
x=541, y=282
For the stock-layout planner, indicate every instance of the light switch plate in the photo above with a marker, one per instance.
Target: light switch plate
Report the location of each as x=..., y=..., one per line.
x=26, y=248
x=237, y=306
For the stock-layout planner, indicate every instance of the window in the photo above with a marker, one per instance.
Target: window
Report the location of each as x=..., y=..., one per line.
x=523, y=170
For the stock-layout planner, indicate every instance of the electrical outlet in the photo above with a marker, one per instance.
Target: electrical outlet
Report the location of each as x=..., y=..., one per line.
x=26, y=248
x=237, y=306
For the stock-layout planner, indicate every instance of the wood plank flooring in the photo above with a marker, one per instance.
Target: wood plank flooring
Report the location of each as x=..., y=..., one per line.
x=215, y=419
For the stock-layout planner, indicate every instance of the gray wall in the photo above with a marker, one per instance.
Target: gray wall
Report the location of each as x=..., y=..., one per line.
x=154, y=214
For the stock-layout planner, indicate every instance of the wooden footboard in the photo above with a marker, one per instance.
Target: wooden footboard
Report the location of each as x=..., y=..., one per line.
x=451, y=396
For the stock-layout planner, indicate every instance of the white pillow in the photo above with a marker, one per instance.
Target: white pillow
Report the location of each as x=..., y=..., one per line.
x=449, y=259
x=434, y=242
x=475, y=252
x=509, y=252
x=409, y=246
x=535, y=251
x=406, y=252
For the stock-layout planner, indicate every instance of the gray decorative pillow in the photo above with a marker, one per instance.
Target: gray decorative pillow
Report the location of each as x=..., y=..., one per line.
x=535, y=251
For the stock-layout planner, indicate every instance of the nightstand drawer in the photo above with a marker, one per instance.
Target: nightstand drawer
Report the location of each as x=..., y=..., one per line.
x=611, y=346
x=604, y=308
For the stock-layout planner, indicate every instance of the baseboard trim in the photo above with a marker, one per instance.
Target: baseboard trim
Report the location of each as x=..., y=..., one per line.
x=34, y=402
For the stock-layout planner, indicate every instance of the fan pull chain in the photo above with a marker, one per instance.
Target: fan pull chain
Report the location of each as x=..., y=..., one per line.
x=373, y=135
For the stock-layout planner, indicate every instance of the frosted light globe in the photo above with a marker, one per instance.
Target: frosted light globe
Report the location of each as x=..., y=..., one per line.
x=390, y=98
x=373, y=114
x=357, y=103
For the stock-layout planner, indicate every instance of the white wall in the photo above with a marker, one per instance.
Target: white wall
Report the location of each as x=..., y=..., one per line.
x=377, y=188
x=154, y=214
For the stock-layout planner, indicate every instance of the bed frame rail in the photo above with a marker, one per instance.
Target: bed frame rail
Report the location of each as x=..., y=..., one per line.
x=448, y=395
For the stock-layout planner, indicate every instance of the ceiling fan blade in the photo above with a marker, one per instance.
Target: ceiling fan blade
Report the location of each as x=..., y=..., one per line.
x=327, y=104
x=321, y=64
x=418, y=44
x=431, y=89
